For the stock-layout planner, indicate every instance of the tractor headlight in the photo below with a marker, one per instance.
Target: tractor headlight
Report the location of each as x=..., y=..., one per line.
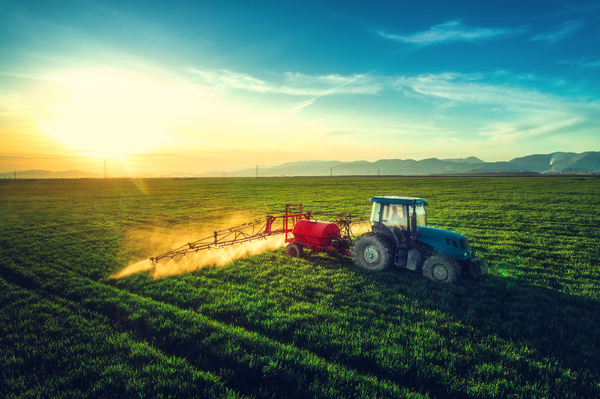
x=466, y=254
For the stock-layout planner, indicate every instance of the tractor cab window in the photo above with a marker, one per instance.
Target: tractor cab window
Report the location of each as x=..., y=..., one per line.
x=421, y=217
x=393, y=215
x=376, y=214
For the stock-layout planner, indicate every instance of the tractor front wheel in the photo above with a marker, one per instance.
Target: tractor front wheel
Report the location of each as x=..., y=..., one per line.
x=295, y=250
x=372, y=252
x=442, y=268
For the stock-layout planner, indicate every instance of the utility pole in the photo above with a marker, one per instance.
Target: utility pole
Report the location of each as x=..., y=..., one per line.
x=331, y=172
x=15, y=175
x=257, y=171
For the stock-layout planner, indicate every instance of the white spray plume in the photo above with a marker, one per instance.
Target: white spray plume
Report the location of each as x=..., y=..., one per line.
x=194, y=261
x=216, y=257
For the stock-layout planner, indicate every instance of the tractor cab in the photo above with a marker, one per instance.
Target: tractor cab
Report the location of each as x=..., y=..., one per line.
x=398, y=211
x=398, y=218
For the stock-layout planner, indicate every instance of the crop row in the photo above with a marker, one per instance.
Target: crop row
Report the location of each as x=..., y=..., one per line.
x=401, y=327
x=52, y=347
x=247, y=362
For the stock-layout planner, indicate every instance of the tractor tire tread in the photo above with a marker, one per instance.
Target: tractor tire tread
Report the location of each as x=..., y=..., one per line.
x=295, y=250
x=380, y=243
x=453, y=269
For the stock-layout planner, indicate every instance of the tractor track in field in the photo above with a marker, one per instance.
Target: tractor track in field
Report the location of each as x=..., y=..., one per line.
x=117, y=320
x=71, y=317
x=145, y=330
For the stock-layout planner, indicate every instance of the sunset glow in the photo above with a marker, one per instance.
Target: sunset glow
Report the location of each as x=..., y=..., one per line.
x=92, y=81
x=110, y=117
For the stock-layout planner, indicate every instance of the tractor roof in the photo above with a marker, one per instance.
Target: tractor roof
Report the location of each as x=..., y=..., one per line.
x=399, y=200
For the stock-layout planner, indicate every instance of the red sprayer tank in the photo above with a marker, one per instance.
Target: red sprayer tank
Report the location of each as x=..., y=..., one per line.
x=315, y=233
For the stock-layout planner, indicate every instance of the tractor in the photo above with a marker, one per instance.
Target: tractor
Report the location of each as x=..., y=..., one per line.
x=400, y=238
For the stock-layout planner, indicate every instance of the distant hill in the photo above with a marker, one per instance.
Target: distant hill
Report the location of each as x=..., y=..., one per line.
x=558, y=162
x=555, y=163
x=45, y=174
x=561, y=162
x=465, y=160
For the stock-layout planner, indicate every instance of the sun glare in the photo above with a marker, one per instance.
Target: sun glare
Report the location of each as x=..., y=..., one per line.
x=113, y=117
x=108, y=116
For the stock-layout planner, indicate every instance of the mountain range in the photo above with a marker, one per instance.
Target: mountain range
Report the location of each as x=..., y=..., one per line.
x=45, y=174
x=555, y=163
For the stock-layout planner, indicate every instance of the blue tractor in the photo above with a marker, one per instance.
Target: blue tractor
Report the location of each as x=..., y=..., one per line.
x=400, y=237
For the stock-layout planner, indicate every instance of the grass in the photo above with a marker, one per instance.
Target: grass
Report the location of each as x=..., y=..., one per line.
x=274, y=326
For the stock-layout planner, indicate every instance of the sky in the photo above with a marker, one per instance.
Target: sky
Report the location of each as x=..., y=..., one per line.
x=159, y=88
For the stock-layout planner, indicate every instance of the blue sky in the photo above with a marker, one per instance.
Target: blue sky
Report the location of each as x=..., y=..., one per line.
x=162, y=87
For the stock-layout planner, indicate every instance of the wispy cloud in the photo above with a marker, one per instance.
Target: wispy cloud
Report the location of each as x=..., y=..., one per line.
x=293, y=83
x=466, y=88
x=332, y=84
x=567, y=29
x=225, y=79
x=451, y=31
x=457, y=88
x=591, y=64
x=13, y=105
x=532, y=113
x=340, y=133
x=583, y=63
x=301, y=105
x=506, y=107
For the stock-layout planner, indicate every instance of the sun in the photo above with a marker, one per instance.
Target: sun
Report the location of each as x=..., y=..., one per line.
x=111, y=117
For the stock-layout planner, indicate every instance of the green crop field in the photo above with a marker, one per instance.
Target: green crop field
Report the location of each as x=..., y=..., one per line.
x=271, y=326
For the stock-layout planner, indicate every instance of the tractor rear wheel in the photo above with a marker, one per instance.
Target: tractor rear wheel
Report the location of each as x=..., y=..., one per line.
x=442, y=268
x=295, y=250
x=372, y=252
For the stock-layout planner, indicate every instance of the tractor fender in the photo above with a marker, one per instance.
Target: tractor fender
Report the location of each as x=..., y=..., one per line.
x=385, y=231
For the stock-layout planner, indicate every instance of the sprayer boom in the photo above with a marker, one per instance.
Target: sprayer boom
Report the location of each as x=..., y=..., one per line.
x=257, y=230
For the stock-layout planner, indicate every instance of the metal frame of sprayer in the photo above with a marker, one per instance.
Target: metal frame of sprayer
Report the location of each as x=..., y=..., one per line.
x=258, y=230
